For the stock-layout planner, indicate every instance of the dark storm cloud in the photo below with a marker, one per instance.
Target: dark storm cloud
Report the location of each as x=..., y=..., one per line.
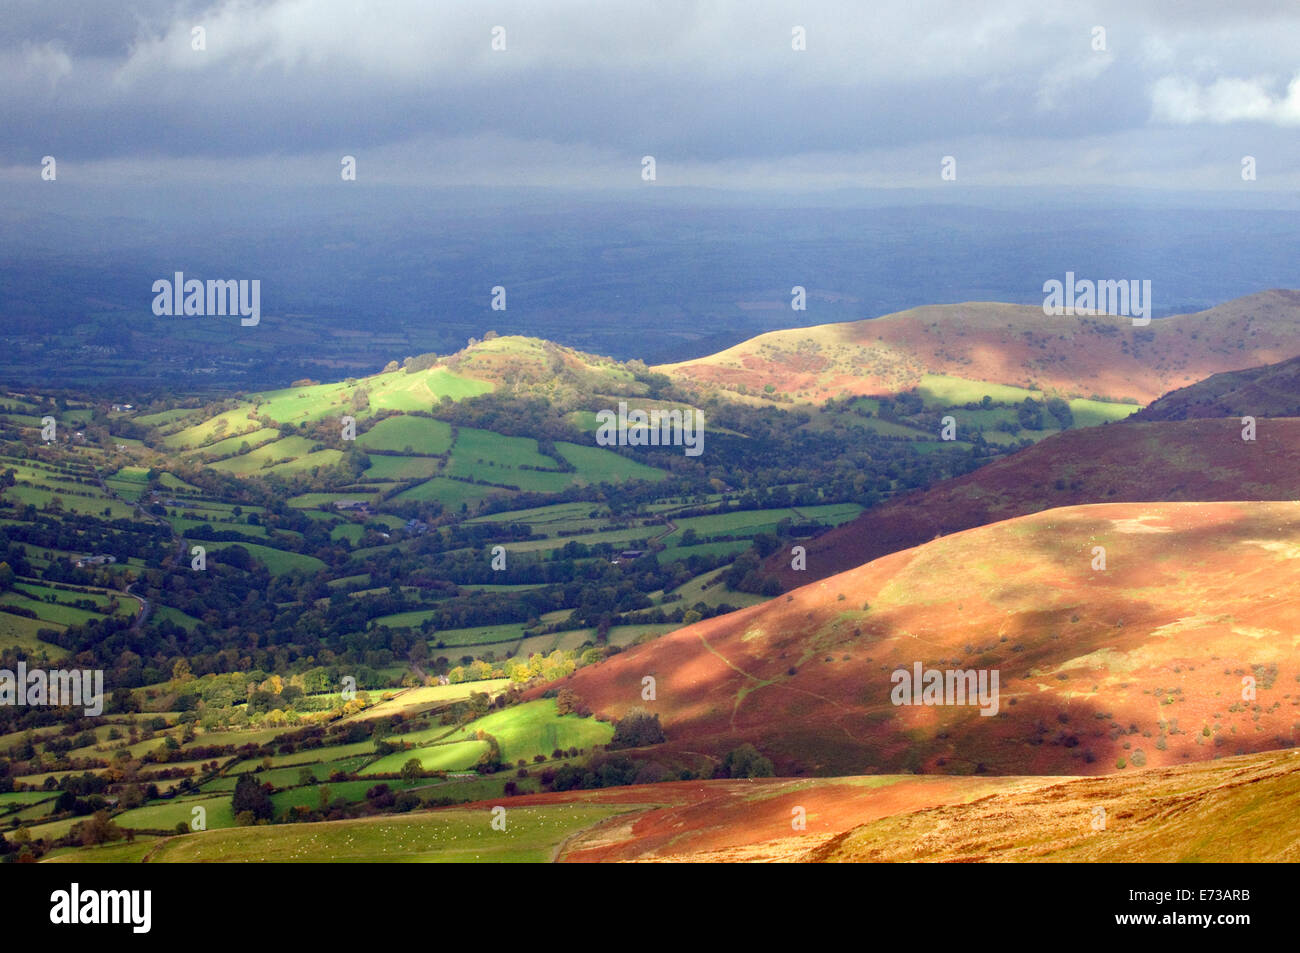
x=712, y=88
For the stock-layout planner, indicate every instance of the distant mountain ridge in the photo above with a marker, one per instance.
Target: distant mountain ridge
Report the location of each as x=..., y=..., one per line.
x=1016, y=345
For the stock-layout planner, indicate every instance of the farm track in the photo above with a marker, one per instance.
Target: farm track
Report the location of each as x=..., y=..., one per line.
x=672, y=528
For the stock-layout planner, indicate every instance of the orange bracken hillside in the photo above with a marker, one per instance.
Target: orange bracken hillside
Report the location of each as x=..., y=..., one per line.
x=1232, y=809
x=1008, y=344
x=1141, y=663
x=1238, y=810
x=1198, y=460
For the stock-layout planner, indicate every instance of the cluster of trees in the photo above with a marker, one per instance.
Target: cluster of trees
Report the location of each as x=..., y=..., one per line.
x=637, y=729
x=607, y=771
x=251, y=801
x=744, y=762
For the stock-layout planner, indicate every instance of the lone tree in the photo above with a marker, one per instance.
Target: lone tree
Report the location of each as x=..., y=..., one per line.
x=99, y=828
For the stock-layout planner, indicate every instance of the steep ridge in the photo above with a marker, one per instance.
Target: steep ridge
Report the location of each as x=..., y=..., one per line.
x=1100, y=670
x=1269, y=391
x=1198, y=460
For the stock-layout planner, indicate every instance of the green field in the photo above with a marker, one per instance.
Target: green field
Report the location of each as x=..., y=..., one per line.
x=707, y=589
x=286, y=448
x=494, y=458
x=309, y=796
x=277, y=561
x=450, y=493
x=168, y=614
x=232, y=423
x=751, y=522
x=941, y=391
x=352, y=532
x=402, y=468
x=404, y=619
x=167, y=815
x=19, y=632
x=393, y=391
x=477, y=635
x=121, y=852
x=547, y=518
x=534, y=728
x=233, y=445
x=731, y=548
x=289, y=777
x=53, y=611
x=70, y=497
x=407, y=434
x=618, y=537
x=181, y=525
x=597, y=465
x=457, y=756
x=416, y=699
x=1092, y=413
x=101, y=599
x=532, y=834
x=164, y=417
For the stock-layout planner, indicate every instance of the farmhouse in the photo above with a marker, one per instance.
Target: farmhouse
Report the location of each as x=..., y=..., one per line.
x=97, y=560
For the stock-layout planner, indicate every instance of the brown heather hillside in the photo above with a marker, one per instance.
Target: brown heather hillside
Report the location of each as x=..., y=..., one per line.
x=1101, y=671
x=1008, y=344
x=1239, y=810
x=1269, y=391
x=752, y=820
x=1198, y=460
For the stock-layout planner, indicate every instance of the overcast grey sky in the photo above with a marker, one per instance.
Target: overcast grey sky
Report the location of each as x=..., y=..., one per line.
x=1014, y=89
